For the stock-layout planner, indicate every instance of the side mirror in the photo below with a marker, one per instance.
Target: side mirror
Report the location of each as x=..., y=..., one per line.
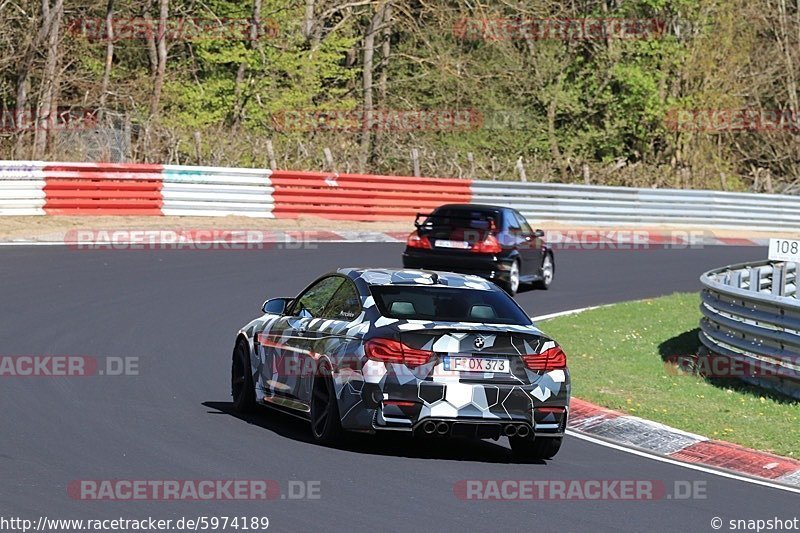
x=538, y=234
x=276, y=306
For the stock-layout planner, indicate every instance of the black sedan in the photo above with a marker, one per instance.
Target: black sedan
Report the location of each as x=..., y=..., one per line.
x=495, y=243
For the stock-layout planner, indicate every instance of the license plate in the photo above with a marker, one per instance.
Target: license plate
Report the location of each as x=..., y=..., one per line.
x=460, y=245
x=477, y=364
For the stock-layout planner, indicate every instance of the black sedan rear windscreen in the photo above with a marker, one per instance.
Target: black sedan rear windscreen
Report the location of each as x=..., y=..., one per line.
x=446, y=304
x=462, y=218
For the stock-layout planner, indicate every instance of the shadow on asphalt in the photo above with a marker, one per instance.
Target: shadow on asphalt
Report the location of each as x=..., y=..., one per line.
x=391, y=444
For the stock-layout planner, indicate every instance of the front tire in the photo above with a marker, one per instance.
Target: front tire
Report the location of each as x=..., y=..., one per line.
x=326, y=426
x=538, y=449
x=242, y=389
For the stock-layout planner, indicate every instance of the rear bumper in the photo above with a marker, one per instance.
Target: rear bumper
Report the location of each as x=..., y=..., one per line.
x=467, y=409
x=487, y=266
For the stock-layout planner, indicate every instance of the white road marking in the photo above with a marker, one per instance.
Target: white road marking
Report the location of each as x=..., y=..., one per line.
x=692, y=466
x=570, y=312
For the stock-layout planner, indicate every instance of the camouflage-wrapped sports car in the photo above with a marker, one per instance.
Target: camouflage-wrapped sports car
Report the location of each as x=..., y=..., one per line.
x=430, y=353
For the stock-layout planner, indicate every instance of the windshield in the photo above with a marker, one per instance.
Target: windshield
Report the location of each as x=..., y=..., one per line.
x=447, y=304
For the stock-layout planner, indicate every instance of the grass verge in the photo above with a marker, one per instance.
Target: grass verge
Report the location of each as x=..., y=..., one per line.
x=615, y=355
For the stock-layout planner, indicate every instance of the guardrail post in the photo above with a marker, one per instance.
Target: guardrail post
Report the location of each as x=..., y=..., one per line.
x=779, y=279
x=755, y=279
x=793, y=280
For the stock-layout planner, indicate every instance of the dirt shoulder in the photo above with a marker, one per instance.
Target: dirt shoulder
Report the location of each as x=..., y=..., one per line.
x=53, y=228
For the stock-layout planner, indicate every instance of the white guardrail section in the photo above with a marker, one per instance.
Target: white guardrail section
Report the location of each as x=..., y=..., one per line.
x=751, y=314
x=619, y=206
x=213, y=191
x=21, y=188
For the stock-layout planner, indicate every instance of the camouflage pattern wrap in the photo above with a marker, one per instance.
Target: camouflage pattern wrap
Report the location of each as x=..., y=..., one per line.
x=285, y=362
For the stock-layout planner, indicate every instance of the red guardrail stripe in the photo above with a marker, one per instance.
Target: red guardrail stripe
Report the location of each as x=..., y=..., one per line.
x=104, y=211
x=354, y=211
x=107, y=167
x=104, y=203
x=283, y=185
x=102, y=189
x=104, y=194
x=302, y=193
x=362, y=197
x=342, y=178
x=98, y=185
x=114, y=188
x=412, y=203
x=102, y=175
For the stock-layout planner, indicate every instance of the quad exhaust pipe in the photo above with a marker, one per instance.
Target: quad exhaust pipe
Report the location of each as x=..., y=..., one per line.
x=441, y=429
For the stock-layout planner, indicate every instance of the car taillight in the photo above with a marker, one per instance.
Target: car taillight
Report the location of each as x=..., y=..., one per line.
x=392, y=351
x=550, y=359
x=489, y=245
x=416, y=241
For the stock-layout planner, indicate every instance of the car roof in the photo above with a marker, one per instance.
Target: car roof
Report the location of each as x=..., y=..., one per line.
x=473, y=207
x=393, y=276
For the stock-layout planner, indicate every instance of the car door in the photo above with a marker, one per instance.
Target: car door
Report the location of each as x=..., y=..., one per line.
x=286, y=345
x=327, y=336
x=517, y=238
x=531, y=246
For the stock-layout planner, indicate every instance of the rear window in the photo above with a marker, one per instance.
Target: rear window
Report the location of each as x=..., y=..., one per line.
x=463, y=218
x=447, y=304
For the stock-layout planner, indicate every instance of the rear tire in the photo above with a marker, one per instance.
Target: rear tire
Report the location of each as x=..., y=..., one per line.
x=539, y=448
x=326, y=426
x=548, y=273
x=242, y=389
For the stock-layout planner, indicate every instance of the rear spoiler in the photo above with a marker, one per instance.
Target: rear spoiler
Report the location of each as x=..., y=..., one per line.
x=430, y=217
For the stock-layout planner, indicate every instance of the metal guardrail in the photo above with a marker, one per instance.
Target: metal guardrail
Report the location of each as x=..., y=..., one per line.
x=213, y=191
x=37, y=187
x=44, y=188
x=617, y=206
x=751, y=314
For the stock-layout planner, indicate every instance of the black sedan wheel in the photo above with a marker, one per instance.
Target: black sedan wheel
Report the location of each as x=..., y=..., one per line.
x=512, y=285
x=548, y=272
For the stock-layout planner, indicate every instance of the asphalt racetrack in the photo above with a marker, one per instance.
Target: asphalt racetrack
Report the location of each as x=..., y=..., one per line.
x=178, y=311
